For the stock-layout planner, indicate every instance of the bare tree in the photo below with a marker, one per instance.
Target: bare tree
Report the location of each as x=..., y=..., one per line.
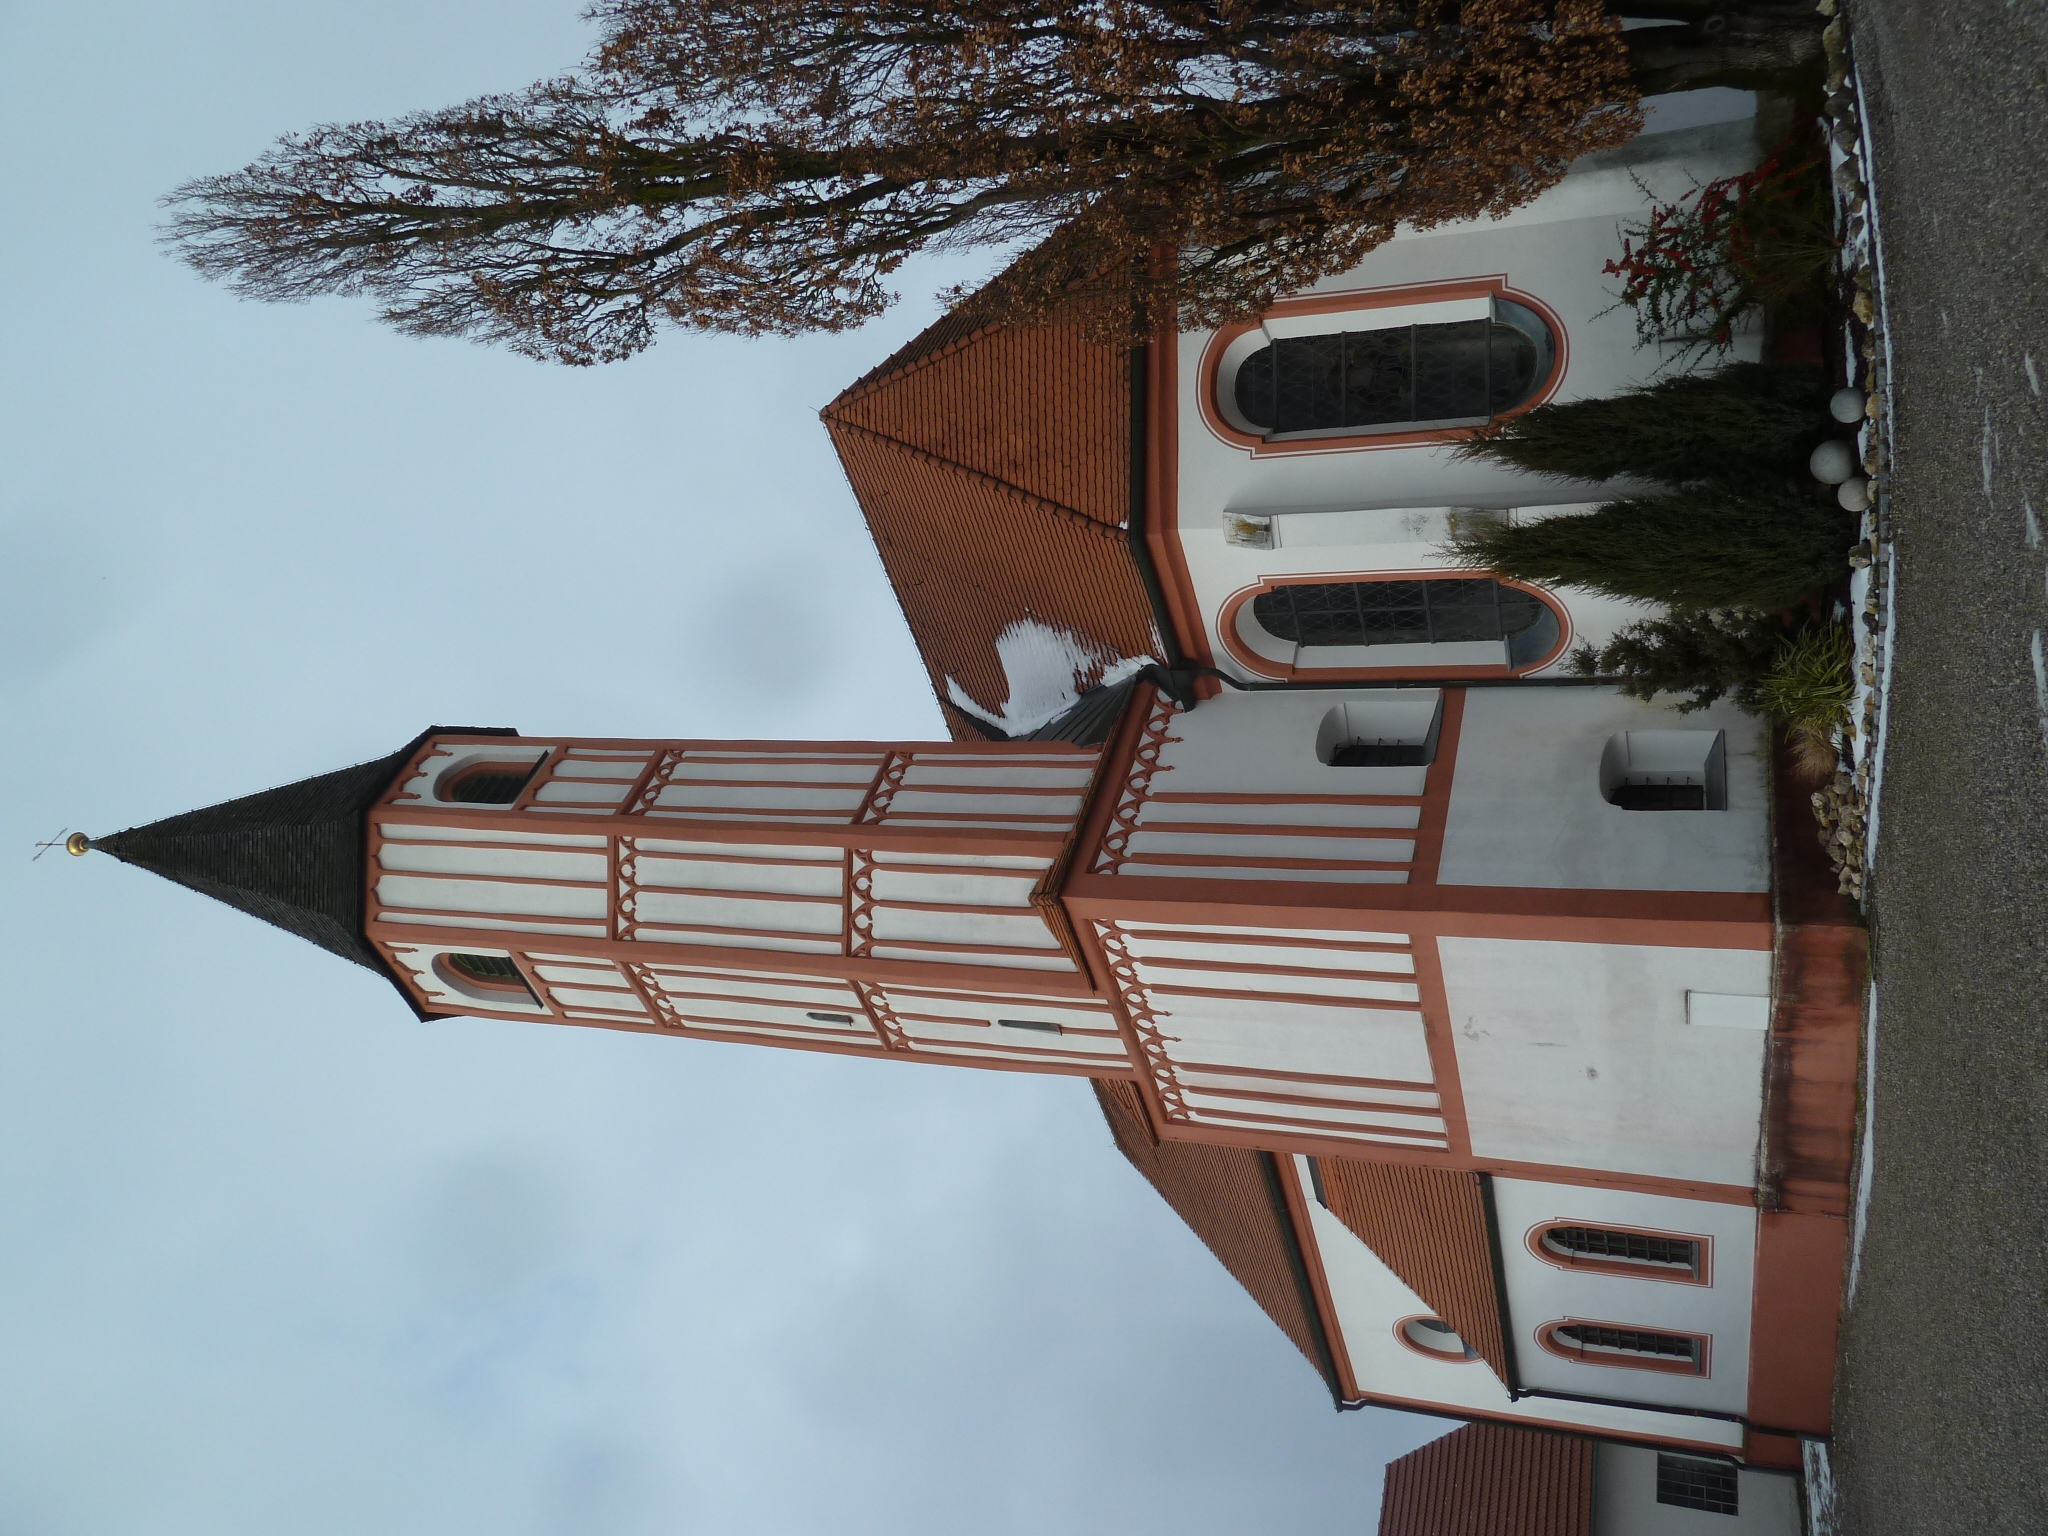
x=763, y=166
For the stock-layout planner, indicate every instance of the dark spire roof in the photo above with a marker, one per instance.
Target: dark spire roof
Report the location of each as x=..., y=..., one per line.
x=292, y=856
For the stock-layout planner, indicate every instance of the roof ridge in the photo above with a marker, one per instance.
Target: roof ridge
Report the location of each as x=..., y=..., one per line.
x=890, y=369
x=983, y=477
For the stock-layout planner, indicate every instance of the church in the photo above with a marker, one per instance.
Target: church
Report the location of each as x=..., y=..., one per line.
x=1496, y=1031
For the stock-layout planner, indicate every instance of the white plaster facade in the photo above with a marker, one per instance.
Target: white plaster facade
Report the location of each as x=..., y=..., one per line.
x=1346, y=504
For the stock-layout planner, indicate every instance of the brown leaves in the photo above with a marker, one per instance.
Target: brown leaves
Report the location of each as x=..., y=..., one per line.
x=760, y=166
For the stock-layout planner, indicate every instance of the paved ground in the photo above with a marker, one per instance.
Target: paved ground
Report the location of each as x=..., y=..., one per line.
x=1942, y=1399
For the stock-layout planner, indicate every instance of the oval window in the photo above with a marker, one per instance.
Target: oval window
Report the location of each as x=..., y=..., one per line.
x=1434, y=1336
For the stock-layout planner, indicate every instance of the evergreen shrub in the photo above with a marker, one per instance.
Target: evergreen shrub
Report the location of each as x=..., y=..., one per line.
x=1703, y=654
x=1704, y=546
x=1728, y=426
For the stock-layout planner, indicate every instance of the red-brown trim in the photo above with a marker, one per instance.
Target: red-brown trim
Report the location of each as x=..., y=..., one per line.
x=892, y=836
x=1442, y=1357
x=1546, y=1339
x=986, y=980
x=1162, y=502
x=1389, y=1152
x=1823, y=957
x=1436, y=793
x=1442, y=1043
x=1794, y=1318
x=1679, y=919
x=1264, y=666
x=1702, y=1272
x=1363, y=299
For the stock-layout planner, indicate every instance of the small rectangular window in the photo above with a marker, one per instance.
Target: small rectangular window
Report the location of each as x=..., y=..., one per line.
x=831, y=1018
x=1693, y=1482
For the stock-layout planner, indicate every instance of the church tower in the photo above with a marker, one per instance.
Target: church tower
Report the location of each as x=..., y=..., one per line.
x=877, y=898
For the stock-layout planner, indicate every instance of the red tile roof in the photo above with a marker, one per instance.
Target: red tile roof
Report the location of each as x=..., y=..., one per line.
x=1230, y=1200
x=994, y=468
x=1491, y=1480
x=1429, y=1226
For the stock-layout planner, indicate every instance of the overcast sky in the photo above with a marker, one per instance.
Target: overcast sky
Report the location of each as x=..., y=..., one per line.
x=274, y=1257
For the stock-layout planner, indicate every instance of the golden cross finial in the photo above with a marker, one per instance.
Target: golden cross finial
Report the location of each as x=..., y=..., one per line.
x=76, y=845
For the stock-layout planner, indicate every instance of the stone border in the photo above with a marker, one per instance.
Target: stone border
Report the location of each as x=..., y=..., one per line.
x=1848, y=808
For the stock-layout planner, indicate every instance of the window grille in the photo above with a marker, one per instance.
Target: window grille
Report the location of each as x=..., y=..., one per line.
x=1661, y=797
x=1362, y=754
x=1464, y=371
x=1692, y=1482
x=488, y=969
x=1625, y=1247
x=1678, y=1347
x=1430, y=612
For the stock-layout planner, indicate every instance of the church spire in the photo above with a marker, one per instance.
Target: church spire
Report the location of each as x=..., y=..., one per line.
x=292, y=856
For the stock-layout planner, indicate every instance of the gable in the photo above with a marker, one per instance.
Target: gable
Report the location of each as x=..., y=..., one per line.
x=1429, y=1226
x=993, y=467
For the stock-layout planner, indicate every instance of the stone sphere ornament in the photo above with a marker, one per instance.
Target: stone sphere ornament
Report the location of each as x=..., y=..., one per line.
x=1846, y=405
x=1833, y=462
x=1854, y=494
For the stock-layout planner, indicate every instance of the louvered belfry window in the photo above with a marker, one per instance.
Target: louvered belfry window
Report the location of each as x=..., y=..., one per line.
x=1428, y=612
x=1693, y=1482
x=1644, y=1248
x=1463, y=372
x=490, y=970
x=488, y=783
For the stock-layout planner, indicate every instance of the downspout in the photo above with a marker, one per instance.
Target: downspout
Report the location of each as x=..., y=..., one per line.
x=1500, y=1288
x=1297, y=1262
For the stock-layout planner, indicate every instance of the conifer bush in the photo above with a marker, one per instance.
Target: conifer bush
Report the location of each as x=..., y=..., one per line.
x=1727, y=426
x=1702, y=546
x=1702, y=654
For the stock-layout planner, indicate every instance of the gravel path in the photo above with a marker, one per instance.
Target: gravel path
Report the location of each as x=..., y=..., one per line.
x=1942, y=1397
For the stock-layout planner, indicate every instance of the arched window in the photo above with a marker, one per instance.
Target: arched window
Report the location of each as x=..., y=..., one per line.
x=486, y=783
x=1461, y=373
x=1621, y=1251
x=1432, y=611
x=1643, y=1349
x=485, y=979
x=1435, y=1337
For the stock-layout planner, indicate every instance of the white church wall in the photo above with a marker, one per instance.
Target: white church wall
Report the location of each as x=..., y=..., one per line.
x=1542, y=1292
x=1581, y=1055
x=1527, y=807
x=1625, y=1501
x=1552, y=251
x=1370, y=1299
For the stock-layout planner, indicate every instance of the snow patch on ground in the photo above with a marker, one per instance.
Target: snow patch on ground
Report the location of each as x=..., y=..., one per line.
x=1044, y=668
x=1866, y=1148
x=1820, y=1488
